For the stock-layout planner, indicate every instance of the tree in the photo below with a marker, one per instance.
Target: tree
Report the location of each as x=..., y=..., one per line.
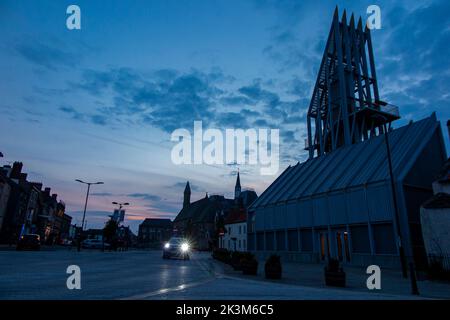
x=110, y=232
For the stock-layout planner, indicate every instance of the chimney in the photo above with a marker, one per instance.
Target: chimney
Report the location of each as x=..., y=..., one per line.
x=54, y=196
x=47, y=192
x=16, y=170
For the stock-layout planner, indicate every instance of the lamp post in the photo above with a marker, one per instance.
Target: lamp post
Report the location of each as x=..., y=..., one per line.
x=121, y=204
x=120, y=208
x=396, y=213
x=85, y=205
x=119, y=215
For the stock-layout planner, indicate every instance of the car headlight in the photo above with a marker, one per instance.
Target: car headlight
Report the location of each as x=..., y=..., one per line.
x=167, y=246
x=184, y=247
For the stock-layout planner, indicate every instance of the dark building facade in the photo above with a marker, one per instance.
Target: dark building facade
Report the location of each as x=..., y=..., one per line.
x=154, y=232
x=29, y=209
x=16, y=215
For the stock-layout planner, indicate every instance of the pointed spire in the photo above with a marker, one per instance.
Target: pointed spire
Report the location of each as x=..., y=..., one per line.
x=237, y=187
x=206, y=196
x=238, y=180
x=187, y=195
x=187, y=188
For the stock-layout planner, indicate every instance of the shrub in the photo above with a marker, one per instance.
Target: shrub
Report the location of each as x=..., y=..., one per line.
x=221, y=254
x=273, y=268
x=249, y=264
x=236, y=257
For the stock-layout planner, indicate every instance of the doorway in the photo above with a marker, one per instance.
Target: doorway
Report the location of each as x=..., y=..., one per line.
x=324, y=246
x=342, y=246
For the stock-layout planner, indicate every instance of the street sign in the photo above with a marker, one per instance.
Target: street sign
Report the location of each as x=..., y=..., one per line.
x=119, y=215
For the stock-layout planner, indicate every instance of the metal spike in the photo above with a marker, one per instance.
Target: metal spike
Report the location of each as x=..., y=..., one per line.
x=344, y=17
x=336, y=13
x=360, y=24
x=352, y=21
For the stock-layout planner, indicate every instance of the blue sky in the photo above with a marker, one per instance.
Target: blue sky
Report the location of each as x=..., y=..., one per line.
x=100, y=103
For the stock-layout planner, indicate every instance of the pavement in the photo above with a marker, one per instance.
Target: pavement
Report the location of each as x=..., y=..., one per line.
x=392, y=283
x=142, y=275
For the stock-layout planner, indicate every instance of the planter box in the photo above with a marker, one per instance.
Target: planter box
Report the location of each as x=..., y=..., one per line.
x=335, y=278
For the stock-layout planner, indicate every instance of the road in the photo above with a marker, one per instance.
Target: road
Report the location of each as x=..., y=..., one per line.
x=142, y=275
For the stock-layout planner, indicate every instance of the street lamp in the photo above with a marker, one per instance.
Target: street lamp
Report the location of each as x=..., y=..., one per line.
x=397, y=218
x=87, y=196
x=120, y=208
x=121, y=204
x=85, y=203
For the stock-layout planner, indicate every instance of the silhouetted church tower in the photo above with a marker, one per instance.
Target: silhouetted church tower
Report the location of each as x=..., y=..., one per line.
x=345, y=106
x=187, y=196
x=237, y=187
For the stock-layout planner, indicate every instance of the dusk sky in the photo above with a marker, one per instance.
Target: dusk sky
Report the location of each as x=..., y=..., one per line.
x=100, y=103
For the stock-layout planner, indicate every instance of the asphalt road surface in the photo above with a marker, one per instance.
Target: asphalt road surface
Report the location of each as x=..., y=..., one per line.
x=142, y=275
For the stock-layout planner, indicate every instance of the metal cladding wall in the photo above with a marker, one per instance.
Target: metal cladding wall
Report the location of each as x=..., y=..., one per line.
x=371, y=203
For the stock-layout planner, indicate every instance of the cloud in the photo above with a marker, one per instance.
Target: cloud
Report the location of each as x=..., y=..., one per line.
x=256, y=93
x=145, y=196
x=182, y=185
x=232, y=120
x=413, y=66
x=47, y=56
x=73, y=112
x=102, y=194
x=169, y=99
x=99, y=119
x=165, y=99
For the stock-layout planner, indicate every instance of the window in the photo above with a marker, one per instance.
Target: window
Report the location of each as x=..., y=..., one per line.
x=245, y=228
x=306, y=240
x=281, y=240
x=240, y=231
x=383, y=235
x=239, y=244
x=259, y=241
x=293, y=240
x=270, y=241
x=251, y=242
x=360, y=239
x=244, y=245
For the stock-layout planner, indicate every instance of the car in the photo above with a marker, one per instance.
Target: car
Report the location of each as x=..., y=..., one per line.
x=65, y=242
x=94, y=244
x=177, y=247
x=29, y=242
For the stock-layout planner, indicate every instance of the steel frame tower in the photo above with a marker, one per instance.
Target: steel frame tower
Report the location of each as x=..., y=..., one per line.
x=345, y=106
